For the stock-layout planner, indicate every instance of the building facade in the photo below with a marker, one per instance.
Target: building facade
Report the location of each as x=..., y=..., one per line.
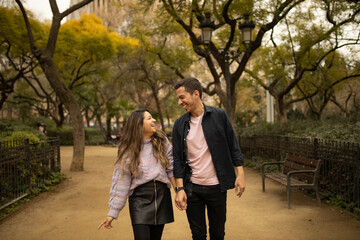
x=112, y=12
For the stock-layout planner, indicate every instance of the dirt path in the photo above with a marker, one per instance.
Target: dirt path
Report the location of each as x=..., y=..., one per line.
x=76, y=207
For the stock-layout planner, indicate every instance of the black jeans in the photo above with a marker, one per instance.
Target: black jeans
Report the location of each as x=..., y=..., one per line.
x=147, y=232
x=215, y=202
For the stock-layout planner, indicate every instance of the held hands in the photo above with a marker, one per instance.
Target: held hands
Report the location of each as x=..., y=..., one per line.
x=180, y=200
x=106, y=223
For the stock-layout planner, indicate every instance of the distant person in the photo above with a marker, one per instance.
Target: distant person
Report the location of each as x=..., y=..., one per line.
x=206, y=154
x=42, y=128
x=144, y=174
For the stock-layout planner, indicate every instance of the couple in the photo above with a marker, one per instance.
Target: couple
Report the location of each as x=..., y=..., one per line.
x=200, y=164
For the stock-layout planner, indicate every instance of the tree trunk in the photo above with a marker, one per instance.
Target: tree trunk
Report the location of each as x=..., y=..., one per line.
x=61, y=118
x=72, y=106
x=87, y=117
x=102, y=129
x=228, y=105
x=158, y=107
x=233, y=96
x=280, y=108
x=3, y=98
x=117, y=123
x=45, y=58
x=108, y=123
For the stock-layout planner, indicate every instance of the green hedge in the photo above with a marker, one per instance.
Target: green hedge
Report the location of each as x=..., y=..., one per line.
x=340, y=130
x=10, y=126
x=92, y=136
x=42, y=177
x=15, y=129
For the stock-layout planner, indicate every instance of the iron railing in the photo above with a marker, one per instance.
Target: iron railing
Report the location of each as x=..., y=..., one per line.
x=25, y=165
x=340, y=170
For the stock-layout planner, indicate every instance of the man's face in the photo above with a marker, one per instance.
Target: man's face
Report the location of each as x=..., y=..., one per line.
x=185, y=99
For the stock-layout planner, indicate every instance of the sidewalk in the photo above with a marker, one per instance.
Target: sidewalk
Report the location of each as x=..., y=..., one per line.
x=76, y=207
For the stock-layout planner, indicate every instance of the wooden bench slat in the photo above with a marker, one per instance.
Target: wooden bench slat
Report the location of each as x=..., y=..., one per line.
x=289, y=166
x=305, y=161
x=295, y=163
x=282, y=178
x=308, y=178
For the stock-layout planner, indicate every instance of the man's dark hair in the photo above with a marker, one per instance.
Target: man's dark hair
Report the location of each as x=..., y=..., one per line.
x=190, y=84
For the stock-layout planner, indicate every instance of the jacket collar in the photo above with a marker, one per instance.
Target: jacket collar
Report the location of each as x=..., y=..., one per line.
x=207, y=110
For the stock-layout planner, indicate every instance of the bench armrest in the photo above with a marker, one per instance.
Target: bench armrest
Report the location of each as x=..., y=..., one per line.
x=270, y=163
x=299, y=171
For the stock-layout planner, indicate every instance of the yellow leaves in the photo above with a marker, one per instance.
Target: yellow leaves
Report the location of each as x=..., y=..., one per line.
x=119, y=41
x=88, y=23
x=87, y=38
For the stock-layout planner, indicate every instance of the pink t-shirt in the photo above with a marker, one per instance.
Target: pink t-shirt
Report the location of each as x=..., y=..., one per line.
x=198, y=154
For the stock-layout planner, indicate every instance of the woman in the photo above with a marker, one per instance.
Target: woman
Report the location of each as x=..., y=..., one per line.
x=144, y=173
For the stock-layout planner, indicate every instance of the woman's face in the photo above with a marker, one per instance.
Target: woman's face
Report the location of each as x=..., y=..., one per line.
x=148, y=125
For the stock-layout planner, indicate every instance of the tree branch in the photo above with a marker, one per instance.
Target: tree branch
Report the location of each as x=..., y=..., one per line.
x=75, y=7
x=176, y=70
x=33, y=48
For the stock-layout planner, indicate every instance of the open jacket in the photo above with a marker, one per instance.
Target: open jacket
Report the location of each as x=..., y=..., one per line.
x=221, y=140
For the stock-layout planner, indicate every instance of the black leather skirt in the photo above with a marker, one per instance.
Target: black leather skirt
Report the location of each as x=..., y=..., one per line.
x=151, y=204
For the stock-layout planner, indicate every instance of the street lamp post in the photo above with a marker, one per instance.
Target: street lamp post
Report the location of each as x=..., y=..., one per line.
x=227, y=79
x=207, y=26
x=270, y=116
x=246, y=27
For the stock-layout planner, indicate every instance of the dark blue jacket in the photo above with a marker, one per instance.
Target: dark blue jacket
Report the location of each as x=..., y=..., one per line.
x=221, y=140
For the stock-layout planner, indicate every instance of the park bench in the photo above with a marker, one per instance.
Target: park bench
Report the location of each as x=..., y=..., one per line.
x=297, y=172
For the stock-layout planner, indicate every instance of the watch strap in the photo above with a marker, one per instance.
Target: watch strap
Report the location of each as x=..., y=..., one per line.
x=179, y=188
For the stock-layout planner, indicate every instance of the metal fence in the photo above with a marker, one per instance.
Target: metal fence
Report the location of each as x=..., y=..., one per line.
x=340, y=170
x=25, y=165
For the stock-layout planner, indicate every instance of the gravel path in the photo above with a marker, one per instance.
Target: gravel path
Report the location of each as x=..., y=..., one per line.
x=76, y=207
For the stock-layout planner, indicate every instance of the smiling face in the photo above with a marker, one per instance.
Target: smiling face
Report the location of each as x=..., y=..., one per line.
x=190, y=102
x=185, y=99
x=148, y=125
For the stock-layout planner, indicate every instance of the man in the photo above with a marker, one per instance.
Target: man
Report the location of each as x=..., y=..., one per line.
x=206, y=154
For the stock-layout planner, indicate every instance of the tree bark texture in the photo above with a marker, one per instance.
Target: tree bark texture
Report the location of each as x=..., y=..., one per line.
x=45, y=57
x=68, y=99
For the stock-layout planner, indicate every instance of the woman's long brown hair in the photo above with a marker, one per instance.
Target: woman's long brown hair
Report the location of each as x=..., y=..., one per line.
x=131, y=143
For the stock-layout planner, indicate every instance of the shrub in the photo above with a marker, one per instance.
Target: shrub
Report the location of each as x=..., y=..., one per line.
x=23, y=164
x=65, y=134
x=328, y=129
x=12, y=126
x=92, y=136
x=19, y=135
x=8, y=127
x=256, y=161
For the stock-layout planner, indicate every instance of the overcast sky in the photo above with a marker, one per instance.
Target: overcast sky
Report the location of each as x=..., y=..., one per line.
x=41, y=8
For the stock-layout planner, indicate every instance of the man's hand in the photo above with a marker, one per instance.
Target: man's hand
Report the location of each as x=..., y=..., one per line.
x=180, y=200
x=240, y=181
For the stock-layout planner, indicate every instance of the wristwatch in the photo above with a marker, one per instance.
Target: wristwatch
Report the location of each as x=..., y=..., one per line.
x=179, y=188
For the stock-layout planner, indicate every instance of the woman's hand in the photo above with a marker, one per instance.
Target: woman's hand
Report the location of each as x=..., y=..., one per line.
x=106, y=223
